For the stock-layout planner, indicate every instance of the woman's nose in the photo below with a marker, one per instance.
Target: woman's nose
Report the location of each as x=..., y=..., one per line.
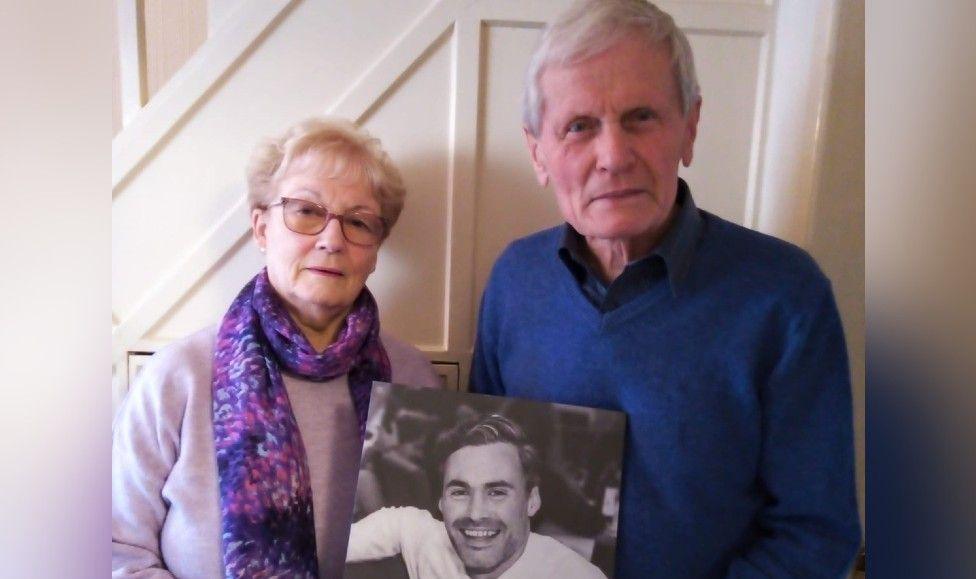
x=331, y=238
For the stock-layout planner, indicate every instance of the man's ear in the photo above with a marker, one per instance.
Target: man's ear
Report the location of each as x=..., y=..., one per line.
x=538, y=159
x=440, y=505
x=691, y=131
x=258, y=227
x=534, y=502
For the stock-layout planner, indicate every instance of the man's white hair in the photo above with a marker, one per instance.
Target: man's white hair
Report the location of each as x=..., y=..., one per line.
x=590, y=27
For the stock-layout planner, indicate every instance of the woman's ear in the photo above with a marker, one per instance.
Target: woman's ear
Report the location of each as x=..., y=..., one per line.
x=259, y=226
x=372, y=267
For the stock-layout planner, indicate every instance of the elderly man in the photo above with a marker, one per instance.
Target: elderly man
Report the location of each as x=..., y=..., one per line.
x=490, y=490
x=723, y=346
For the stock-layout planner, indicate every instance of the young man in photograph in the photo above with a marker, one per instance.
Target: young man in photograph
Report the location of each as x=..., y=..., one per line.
x=489, y=492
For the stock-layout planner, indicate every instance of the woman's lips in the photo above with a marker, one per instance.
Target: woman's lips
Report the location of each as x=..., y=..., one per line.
x=325, y=271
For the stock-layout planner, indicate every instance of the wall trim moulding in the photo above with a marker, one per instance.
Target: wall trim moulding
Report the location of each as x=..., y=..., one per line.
x=218, y=56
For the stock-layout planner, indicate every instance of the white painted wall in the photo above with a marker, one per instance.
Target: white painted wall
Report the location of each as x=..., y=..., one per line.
x=439, y=82
x=219, y=12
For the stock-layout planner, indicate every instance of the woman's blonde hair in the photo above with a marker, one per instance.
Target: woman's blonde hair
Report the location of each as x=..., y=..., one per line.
x=341, y=149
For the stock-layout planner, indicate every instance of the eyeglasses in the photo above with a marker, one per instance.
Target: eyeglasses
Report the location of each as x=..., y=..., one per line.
x=308, y=218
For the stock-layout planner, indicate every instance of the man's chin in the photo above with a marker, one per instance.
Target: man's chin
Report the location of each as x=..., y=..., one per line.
x=480, y=571
x=479, y=562
x=620, y=227
x=482, y=562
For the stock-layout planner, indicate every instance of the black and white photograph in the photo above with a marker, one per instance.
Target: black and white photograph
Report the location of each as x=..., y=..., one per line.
x=454, y=485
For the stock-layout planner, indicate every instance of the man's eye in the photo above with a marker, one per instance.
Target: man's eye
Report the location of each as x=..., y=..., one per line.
x=457, y=493
x=498, y=493
x=579, y=126
x=644, y=114
x=637, y=116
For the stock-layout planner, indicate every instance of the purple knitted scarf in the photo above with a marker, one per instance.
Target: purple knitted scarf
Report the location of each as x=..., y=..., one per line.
x=267, y=529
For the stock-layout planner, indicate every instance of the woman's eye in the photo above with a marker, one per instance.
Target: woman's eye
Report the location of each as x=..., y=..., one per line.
x=357, y=223
x=305, y=210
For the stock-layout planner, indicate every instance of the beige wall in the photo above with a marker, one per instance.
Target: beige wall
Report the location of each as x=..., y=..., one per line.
x=837, y=236
x=169, y=32
x=174, y=29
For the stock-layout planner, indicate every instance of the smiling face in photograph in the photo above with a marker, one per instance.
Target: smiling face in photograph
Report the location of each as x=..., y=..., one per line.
x=318, y=276
x=486, y=507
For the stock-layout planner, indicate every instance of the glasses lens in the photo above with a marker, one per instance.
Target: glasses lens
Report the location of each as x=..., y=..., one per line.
x=303, y=216
x=310, y=219
x=362, y=228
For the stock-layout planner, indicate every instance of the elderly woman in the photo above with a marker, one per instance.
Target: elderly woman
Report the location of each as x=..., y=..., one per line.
x=236, y=452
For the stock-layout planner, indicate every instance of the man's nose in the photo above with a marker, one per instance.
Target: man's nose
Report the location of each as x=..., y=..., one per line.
x=331, y=238
x=613, y=150
x=477, y=507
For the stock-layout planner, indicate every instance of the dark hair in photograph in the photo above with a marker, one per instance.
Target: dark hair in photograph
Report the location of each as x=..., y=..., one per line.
x=486, y=430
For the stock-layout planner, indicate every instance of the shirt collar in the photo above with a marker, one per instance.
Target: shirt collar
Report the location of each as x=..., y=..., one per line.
x=676, y=248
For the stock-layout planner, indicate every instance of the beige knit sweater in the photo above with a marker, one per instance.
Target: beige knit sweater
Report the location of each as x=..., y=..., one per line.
x=165, y=504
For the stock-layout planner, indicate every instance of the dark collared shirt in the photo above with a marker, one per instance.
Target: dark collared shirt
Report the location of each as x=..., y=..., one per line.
x=670, y=258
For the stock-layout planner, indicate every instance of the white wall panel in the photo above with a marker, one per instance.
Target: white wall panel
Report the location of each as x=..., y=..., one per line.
x=205, y=303
x=219, y=12
x=414, y=122
x=728, y=67
x=509, y=201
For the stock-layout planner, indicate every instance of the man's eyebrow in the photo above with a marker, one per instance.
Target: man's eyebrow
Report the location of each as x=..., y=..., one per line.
x=640, y=108
x=492, y=484
x=500, y=484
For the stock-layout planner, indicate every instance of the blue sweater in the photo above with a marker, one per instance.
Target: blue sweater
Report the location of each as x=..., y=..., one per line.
x=739, y=455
